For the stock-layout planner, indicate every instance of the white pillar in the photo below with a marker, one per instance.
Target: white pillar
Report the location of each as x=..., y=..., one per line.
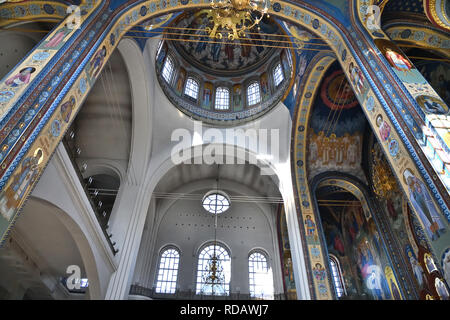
x=129, y=227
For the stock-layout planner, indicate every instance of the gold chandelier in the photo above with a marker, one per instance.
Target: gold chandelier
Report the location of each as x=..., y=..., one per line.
x=384, y=183
x=233, y=17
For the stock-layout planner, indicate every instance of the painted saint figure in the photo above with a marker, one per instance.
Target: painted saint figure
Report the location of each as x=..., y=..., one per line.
x=59, y=36
x=66, y=109
x=397, y=60
x=422, y=202
x=441, y=289
x=310, y=226
x=432, y=104
x=23, y=77
x=11, y=197
x=97, y=62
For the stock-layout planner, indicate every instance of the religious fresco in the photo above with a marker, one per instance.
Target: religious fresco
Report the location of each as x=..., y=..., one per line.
x=207, y=96
x=285, y=255
x=432, y=105
x=265, y=89
x=337, y=123
x=423, y=204
x=353, y=238
x=237, y=97
x=96, y=64
x=23, y=77
x=445, y=262
x=442, y=289
x=438, y=75
x=291, y=11
x=21, y=181
x=58, y=39
x=179, y=84
x=392, y=205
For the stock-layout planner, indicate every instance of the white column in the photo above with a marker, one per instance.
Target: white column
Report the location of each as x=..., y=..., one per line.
x=129, y=227
x=295, y=240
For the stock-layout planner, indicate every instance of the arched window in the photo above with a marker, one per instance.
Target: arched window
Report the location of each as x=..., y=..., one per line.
x=222, y=98
x=260, y=276
x=167, y=71
x=168, y=271
x=253, y=93
x=337, y=276
x=278, y=75
x=191, y=88
x=205, y=284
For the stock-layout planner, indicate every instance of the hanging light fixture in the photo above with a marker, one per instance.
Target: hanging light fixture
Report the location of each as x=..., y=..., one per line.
x=213, y=278
x=234, y=17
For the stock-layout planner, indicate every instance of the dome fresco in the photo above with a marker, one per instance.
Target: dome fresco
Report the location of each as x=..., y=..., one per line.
x=222, y=56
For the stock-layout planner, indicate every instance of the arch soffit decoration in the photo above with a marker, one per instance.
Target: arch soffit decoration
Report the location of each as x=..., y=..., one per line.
x=419, y=35
x=33, y=11
x=303, y=16
x=419, y=162
x=308, y=92
x=436, y=12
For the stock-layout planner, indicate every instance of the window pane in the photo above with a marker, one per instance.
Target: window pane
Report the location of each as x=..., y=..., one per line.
x=191, y=89
x=253, y=94
x=167, y=69
x=168, y=271
x=222, y=98
x=204, y=283
x=278, y=75
x=260, y=277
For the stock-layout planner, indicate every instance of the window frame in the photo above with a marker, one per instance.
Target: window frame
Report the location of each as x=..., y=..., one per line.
x=158, y=268
x=229, y=98
x=195, y=80
x=279, y=65
x=172, y=72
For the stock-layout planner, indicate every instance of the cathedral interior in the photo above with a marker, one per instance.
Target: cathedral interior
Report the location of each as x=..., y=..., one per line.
x=225, y=149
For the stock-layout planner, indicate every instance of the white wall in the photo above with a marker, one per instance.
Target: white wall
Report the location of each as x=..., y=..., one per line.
x=185, y=224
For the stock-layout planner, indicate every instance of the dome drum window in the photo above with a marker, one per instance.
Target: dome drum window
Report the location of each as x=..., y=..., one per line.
x=253, y=93
x=222, y=101
x=278, y=75
x=191, y=89
x=167, y=70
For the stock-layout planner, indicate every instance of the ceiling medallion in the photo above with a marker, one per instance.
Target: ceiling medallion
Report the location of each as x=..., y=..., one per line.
x=233, y=17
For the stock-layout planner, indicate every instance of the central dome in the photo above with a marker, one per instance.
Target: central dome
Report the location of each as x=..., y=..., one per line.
x=237, y=57
x=219, y=80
